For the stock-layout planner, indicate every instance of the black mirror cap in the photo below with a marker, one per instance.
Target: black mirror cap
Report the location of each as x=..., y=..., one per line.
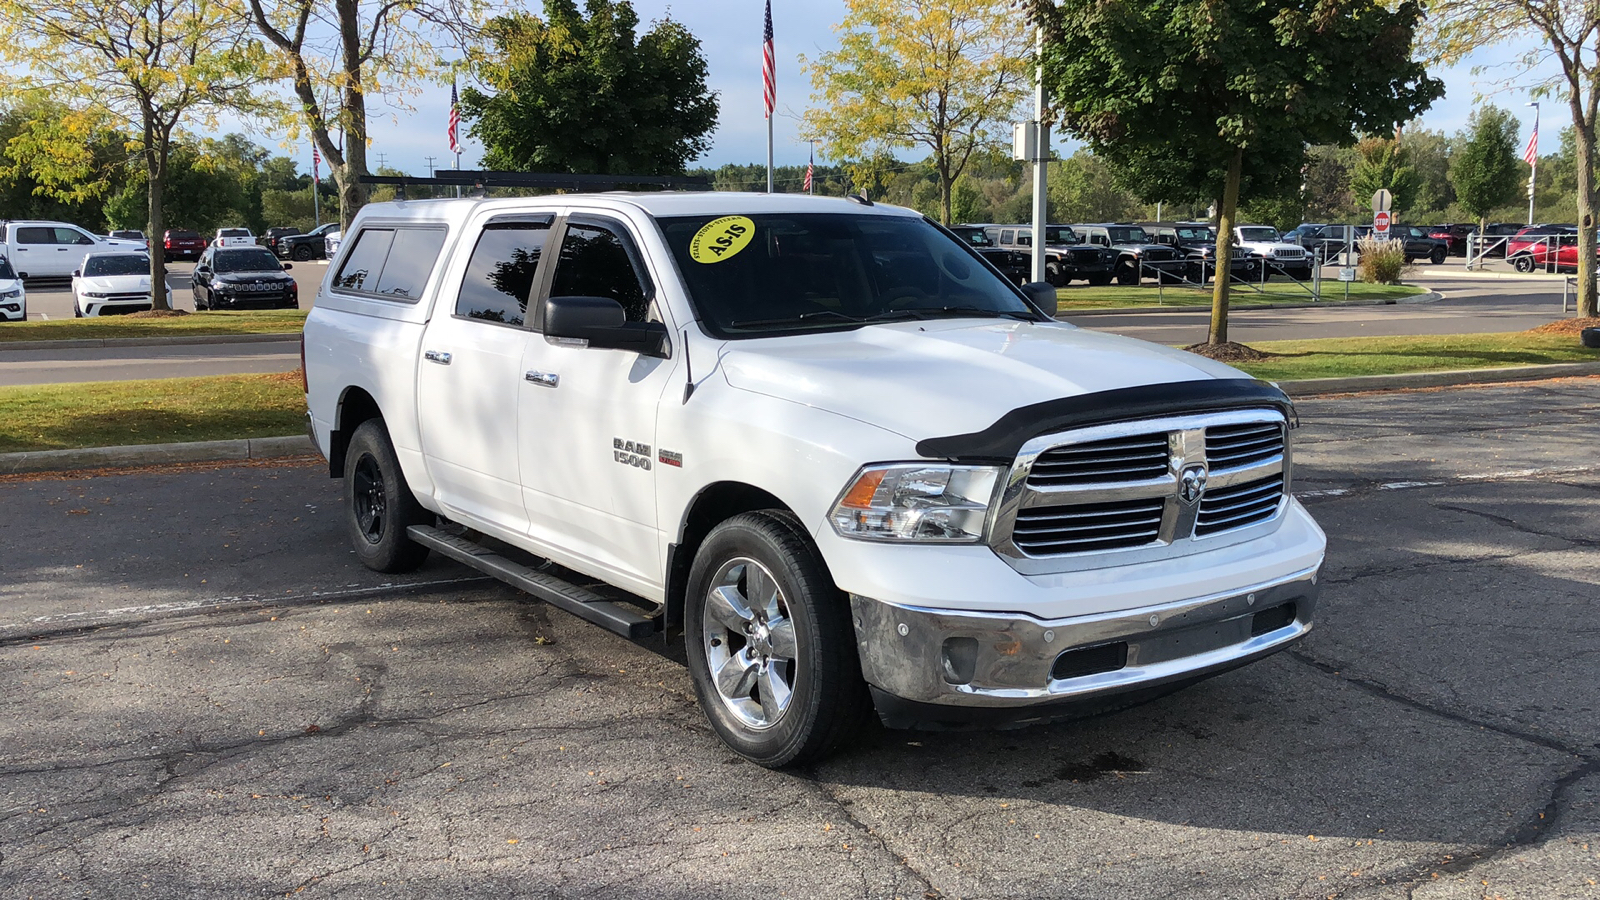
x=287, y=267
x=1042, y=295
x=602, y=322
x=76, y=273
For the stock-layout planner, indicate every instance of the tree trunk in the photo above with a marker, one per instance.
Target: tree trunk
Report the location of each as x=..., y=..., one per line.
x=1219, y=290
x=155, y=167
x=946, y=188
x=352, y=193
x=1584, y=133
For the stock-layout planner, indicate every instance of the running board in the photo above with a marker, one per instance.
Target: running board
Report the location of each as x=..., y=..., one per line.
x=575, y=599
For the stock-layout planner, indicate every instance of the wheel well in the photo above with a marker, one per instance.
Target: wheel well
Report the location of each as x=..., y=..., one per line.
x=355, y=407
x=714, y=504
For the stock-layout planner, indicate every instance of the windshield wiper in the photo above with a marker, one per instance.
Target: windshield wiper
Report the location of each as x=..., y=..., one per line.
x=791, y=320
x=929, y=312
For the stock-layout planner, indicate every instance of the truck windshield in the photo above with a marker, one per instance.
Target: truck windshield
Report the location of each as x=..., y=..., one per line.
x=1259, y=233
x=116, y=265
x=750, y=276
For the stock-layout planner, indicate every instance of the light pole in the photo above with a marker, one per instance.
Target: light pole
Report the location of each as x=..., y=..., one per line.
x=1533, y=159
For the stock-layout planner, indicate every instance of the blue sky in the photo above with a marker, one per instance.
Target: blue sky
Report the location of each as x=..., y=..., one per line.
x=730, y=34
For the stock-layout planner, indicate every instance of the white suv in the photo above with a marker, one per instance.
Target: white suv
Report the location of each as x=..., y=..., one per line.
x=1280, y=257
x=112, y=282
x=13, y=296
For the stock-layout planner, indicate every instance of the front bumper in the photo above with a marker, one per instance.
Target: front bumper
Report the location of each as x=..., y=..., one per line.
x=945, y=667
x=254, y=300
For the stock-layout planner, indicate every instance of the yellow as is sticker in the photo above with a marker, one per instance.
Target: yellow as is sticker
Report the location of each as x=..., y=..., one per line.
x=721, y=239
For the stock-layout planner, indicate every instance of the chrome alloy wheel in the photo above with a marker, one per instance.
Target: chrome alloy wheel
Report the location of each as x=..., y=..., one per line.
x=749, y=642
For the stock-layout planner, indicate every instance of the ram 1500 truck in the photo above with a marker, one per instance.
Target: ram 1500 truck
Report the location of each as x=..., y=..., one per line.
x=821, y=439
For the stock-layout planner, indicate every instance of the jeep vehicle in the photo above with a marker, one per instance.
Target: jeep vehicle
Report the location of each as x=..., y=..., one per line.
x=1137, y=255
x=1016, y=266
x=1197, y=242
x=819, y=441
x=1280, y=258
x=1066, y=256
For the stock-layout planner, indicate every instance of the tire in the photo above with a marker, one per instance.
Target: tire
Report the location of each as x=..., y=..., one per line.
x=1127, y=274
x=379, y=504
x=198, y=306
x=300, y=254
x=1052, y=274
x=77, y=313
x=805, y=615
x=1438, y=255
x=1524, y=262
x=1100, y=280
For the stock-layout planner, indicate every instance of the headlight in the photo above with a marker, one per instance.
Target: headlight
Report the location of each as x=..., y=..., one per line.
x=96, y=294
x=917, y=503
x=12, y=294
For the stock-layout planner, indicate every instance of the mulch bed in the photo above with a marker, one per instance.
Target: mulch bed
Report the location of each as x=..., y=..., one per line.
x=159, y=314
x=1565, y=326
x=1230, y=352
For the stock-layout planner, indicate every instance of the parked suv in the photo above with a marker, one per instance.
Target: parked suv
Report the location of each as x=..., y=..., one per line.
x=1017, y=267
x=13, y=294
x=848, y=463
x=1066, y=257
x=243, y=278
x=1416, y=240
x=273, y=239
x=1280, y=258
x=1136, y=255
x=1197, y=242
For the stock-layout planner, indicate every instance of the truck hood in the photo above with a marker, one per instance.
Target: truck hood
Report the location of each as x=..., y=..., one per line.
x=927, y=379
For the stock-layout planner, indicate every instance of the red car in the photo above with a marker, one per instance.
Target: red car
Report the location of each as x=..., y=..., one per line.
x=182, y=244
x=1544, y=246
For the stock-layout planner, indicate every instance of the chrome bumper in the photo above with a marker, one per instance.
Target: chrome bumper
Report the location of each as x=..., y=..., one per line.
x=951, y=658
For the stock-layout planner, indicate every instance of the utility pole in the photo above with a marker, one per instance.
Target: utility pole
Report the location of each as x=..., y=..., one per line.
x=381, y=159
x=1041, y=160
x=430, y=160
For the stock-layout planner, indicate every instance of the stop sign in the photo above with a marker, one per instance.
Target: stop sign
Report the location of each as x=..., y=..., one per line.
x=1380, y=222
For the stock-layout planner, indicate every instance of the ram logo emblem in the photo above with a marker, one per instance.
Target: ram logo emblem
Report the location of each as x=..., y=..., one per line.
x=1193, y=484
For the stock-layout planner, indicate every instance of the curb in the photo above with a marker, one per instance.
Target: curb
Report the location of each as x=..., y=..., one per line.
x=1426, y=297
x=1312, y=387
x=172, y=340
x=155, y=454
x=300, y=445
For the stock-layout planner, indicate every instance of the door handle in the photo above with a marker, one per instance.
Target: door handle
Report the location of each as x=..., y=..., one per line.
x=437, y=356
x=543, y=379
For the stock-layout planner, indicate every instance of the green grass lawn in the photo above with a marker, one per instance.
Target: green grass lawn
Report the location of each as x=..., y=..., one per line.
x=159, y=411
x=1075, y=297
x=275, y=321
x=1341, y=357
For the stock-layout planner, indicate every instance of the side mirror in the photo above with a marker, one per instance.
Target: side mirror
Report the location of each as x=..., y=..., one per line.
x=602, y=322
x=287, y=267
x=76, y=273
x=1042, y=296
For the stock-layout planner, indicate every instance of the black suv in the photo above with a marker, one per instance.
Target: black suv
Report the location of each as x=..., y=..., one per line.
x=1015, y=266
x=275, y=236
x=1418, y=244
x=1197, y=243
x=243, y=278
x=1065, y=255
x=301, y=247
x=1137, y=256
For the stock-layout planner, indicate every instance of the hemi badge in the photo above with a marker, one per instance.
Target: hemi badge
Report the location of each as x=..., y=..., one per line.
x=670, y=458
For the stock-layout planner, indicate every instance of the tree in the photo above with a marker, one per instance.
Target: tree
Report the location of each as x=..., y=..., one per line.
x=582, y=93
x=1197, y=99
x=1570, y=33
x=59, y=163
x=146, y=63
x=939, y=74
x=1083, y=188
x=1384, y=165
x=378, y=48
x=1486, y=172
x=1428, y=152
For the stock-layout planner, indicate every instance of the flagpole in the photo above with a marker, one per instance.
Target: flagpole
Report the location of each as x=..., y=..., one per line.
x=769, y=79
x=1533, y=174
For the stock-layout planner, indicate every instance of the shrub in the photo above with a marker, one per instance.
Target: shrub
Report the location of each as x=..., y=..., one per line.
x=1381, y=261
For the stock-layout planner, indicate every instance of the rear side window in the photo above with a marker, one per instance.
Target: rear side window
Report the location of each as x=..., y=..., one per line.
x=411, y=259
x=36, y=235
x=501, y=273
x=362, y=265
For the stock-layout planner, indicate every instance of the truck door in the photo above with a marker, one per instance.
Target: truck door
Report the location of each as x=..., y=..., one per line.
x=586, y=419
x=470, y=372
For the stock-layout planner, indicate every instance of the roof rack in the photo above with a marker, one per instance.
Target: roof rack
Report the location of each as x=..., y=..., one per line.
x=478, y=179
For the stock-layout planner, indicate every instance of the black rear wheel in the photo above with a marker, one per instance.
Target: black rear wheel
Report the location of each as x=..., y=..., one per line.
x=379, y=504
x=301, y=253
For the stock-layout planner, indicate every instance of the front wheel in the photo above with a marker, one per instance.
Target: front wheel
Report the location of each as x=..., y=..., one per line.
x=379, y=506
x=1127, y=273
x=1524, y=263
x=770, y=646
x=301, y=254
x=1438, y=255
x=1052, y=274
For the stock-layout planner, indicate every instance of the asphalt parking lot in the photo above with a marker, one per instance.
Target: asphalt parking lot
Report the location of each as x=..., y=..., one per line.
x=207, y=697
x=52, y=298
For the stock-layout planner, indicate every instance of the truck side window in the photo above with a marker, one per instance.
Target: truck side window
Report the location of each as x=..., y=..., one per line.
x=502, y=271
x=1008, y=237
x=35, y=235
x=411, y=259
x=594, y=263
x=364, y=261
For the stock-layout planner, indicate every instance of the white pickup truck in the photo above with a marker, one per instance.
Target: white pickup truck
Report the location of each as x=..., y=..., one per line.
x=822, y=439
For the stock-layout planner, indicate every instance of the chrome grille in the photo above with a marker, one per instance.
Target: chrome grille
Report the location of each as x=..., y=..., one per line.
x=1290, y=253
x=1135, y=458
x=1238, y=506
x=1089, y=526
x=1231, y=446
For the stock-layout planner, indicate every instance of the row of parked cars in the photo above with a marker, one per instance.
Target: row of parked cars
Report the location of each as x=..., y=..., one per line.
x=1527, y=247
x=1129, y=252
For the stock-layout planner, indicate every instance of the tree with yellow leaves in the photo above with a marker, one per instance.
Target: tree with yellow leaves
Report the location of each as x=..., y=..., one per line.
x=145, y=64
x=1569, y=31
x=939, y=74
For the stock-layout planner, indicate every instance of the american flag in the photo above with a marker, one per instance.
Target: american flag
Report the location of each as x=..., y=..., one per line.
x=316, y=160
x=455, y=121
x=1532, y=153
x=809, y=163
x=769, y=77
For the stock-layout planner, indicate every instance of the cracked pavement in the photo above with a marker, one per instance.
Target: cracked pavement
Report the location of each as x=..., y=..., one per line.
x=207, y=697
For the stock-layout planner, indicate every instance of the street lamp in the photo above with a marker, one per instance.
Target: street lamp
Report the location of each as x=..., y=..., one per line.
x=1533, y=158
